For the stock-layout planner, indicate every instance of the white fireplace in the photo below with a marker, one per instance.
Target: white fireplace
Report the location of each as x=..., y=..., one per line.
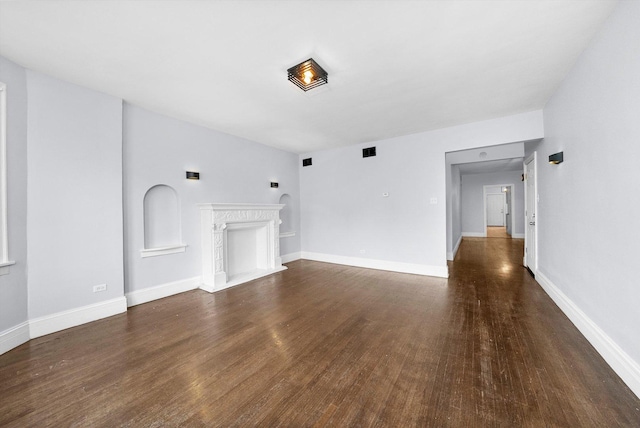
x=240, y=242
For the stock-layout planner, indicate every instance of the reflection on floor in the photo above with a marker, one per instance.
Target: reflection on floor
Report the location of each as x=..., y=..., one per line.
x=328, y=345
x=497, y=232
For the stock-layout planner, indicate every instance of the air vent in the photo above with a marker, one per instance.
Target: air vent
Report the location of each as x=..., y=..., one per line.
x=306, y=162
x=368, y=152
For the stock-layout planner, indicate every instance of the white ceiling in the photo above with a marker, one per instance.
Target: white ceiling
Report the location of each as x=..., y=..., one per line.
x=395, y=67
x=491, y=166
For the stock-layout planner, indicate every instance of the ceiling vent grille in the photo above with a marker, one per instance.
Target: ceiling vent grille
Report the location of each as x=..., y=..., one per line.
x=368, y=152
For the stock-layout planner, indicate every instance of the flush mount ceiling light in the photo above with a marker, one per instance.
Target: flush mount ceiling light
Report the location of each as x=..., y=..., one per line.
x=307, y=75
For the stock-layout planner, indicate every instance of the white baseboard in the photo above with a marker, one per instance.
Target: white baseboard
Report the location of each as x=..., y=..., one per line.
x=14, y=336
x=620, y=361
x=439, y=271
x=77, y=316
x=452, y=254
x=291, y=257
x=239, y=279
x=517, y=235
x=474, y=234
x=161, y=291
x=457, y=246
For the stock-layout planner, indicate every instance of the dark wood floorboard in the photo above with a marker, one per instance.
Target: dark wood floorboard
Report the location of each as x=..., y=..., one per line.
x=328, y=345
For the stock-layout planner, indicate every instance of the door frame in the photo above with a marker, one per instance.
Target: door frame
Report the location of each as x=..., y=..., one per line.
x=484, y=204
x=532, y=157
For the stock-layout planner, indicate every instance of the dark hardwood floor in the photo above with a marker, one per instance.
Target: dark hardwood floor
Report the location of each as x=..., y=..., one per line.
x=323, y=344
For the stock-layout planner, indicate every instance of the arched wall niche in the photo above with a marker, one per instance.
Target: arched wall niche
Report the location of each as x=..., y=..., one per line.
x=162, y=232
x=287, y=228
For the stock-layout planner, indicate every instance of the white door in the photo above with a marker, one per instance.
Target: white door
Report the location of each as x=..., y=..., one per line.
x=530, y=214
x=508, y=211
x=495, y=209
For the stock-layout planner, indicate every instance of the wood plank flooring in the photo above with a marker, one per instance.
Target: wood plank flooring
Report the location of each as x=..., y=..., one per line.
x=328, y=345
x=497, y=232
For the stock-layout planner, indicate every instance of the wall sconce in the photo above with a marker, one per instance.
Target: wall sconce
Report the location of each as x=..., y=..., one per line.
x=191, y=175
x=274, y=185
x=307, y=75
x=556, y=158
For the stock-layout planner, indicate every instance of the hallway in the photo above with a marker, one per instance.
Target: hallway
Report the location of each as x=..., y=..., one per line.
x=328, y=345
x=526, y=361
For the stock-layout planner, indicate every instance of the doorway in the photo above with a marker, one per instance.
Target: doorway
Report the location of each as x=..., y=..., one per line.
x=530, y=207
x=498, y=211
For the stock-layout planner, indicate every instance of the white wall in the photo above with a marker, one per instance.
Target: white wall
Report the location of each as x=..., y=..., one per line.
x=343, y=211
x=74, y=198
x=13, y=287
x=455, y=212
x=159, y=150
x=589, y=205
x=66, y=142
x=473, y=200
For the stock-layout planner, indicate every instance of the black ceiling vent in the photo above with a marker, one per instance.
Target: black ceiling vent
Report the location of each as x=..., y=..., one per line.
x=306, y=162
x=368, y=152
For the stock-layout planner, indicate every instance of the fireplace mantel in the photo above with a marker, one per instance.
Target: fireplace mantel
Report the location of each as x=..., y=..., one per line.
x=240, y=242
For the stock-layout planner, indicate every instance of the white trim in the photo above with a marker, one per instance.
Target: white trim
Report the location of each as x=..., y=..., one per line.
x=241, y=279
x=474, y=235
x=14, y=337
x=291, y=257
x=532, y=157
x=4, y=230
x=235, y=207
x=217, y=222
x=4, y=267
x=439, y=271
x=452, y=255
x=620, y=361
x=287, y=234
x=161, y=251
x=457, y=246
x=161, y=291
x=77, y=316
x=518, y=236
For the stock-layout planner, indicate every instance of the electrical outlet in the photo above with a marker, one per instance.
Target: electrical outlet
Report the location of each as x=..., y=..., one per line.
x=98, y=288
x=363, y=251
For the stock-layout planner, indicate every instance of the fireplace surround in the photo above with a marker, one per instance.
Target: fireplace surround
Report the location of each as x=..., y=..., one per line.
x=240, y=242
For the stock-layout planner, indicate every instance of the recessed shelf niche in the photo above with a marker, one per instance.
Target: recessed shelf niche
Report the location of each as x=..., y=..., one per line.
x=162, y=233
x=287, y=228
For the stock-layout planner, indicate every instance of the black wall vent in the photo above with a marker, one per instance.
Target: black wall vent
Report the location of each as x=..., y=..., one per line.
x=306, y=162
x=368, y=152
